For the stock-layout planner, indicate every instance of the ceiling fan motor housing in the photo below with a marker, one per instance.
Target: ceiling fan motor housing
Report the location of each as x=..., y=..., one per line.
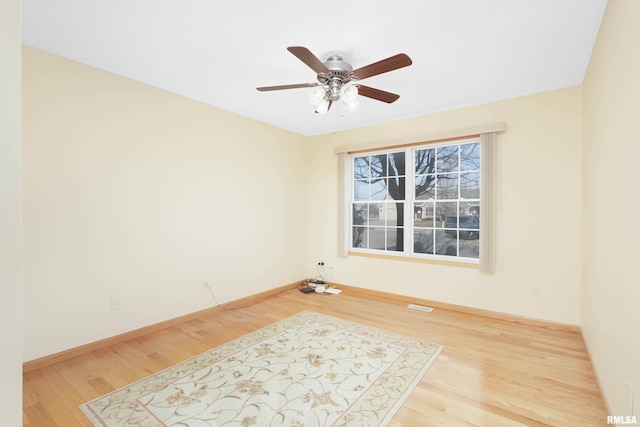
x=340, y=73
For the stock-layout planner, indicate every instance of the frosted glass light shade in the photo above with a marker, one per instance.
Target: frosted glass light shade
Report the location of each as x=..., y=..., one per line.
x=322, y=107
x=349, y=93
x=316, y=95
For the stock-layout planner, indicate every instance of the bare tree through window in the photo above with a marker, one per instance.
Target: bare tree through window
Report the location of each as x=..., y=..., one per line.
x=446, y=186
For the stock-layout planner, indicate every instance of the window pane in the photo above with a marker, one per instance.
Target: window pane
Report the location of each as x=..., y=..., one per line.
x=470, y=208
x=359, y=214
x=378, y=189
x=361, y=189
x=359, y=237
x=423, y=241
x=470, y=185
x=447, y=186
x=447, y=159
x=394, y=239
x=361, y=167
x=425, y=161
x=376, y=238
x=388, y=213
x=470, y=157
x=376, y=165
x=396, y=188
x=447, y=242
x=397, y=164
x=423, y=213
x=469, y=248
x=373, y=213
x=425, y=187
x=447, y=212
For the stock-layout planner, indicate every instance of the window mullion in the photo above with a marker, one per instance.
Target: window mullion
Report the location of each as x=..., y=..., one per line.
x=408, y=200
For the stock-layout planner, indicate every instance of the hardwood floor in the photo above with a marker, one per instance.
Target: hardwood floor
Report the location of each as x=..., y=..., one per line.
x=491, y=372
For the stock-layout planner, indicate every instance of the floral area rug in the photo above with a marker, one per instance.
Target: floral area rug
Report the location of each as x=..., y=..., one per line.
x=306, y=370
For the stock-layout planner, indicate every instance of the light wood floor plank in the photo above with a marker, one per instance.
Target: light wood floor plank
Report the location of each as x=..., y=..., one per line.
x=491, y=372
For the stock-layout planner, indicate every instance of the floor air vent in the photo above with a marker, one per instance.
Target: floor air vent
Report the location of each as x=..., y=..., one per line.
x=420, y=308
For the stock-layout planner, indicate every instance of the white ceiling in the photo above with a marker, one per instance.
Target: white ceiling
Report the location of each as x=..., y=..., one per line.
x=464, y=52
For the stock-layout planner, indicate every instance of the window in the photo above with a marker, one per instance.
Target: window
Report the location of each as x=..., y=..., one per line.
x=419, y=201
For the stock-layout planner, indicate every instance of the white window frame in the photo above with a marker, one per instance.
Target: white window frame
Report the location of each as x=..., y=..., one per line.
x=409, y=201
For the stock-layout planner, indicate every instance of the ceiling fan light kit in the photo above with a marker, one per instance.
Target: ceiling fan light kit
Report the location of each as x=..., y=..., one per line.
x=337, y=80
x=322, y=97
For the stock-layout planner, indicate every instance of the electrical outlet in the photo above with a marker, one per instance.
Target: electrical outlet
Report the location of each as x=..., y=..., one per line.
x=115, y=304
x=536, y=291
x=328, y=263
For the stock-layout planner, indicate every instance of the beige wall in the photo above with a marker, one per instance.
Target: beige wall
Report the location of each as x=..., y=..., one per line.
x=539, y=226
x=10, y=228
x=611, y=205
x=141, y=195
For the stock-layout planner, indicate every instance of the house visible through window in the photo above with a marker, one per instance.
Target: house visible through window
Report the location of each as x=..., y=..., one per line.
x=419, y=201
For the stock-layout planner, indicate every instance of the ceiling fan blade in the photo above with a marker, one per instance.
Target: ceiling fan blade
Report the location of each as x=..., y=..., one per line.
x=377, y=94
x=294, y=86
x=393, y=63
x=305, y=55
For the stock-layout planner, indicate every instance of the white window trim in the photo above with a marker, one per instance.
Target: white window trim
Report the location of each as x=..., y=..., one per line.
x=488, y=197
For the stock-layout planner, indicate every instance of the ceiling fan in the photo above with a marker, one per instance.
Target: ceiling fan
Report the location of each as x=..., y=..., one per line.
x=337, y=79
